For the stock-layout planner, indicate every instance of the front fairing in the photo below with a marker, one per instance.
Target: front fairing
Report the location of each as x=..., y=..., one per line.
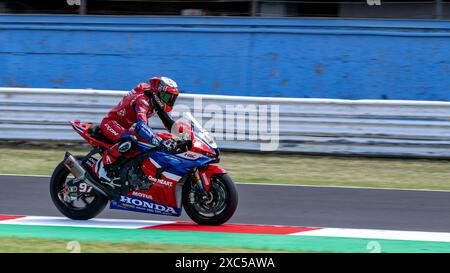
x=202, y=141
x=181, y=163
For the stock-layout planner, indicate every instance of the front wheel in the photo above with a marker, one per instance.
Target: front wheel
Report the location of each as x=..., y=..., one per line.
x=215, y=210
x=87, y=205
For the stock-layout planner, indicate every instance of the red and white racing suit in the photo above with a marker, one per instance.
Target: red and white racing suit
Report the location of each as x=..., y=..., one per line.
x=135, y=108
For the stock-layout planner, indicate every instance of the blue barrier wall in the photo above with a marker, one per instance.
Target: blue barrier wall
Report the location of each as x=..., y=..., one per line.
x=350, y=59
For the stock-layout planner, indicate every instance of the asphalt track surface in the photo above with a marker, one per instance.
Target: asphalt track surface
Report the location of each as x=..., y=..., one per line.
x=275, y=205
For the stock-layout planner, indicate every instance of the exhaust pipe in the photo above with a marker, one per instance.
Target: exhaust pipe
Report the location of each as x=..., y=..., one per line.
x=79, y=172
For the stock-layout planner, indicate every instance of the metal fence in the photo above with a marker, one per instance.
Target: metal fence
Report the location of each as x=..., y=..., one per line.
x=323, y=126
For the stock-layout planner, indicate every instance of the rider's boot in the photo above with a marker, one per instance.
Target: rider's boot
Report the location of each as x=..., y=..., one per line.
x=104, y=172
x=106, y=166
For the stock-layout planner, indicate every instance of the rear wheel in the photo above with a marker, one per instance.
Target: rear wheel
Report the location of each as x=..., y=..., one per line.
x=87, y=204
x=215, y=210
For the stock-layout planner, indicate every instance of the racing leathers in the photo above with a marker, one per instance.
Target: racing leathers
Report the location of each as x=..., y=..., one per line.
x=127, y=122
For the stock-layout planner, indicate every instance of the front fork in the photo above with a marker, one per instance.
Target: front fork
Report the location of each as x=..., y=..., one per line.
x=202, y=179
x=203, y=184
x=199, y=183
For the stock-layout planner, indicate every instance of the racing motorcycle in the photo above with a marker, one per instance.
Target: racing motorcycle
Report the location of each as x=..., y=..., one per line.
x=148, y=180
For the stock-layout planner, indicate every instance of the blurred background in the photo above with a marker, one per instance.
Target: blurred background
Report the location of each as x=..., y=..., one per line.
x=360, y=90
x=406, y=9
x=318, y=61
x=299, y=49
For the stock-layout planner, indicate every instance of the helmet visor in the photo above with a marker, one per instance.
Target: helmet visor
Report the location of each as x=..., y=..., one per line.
x=168, y=98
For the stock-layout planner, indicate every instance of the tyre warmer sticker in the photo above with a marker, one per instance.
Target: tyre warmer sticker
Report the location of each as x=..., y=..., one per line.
x=227, y=228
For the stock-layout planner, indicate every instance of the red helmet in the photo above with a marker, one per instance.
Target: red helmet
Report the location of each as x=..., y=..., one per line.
x=166, y=92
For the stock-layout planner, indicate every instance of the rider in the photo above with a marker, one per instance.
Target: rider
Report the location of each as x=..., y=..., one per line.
x=128, y=121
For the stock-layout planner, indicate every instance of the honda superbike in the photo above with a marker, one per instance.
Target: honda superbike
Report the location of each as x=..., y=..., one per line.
x=147, y=180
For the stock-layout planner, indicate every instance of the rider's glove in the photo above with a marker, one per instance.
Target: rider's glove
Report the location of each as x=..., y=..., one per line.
x=142, y=130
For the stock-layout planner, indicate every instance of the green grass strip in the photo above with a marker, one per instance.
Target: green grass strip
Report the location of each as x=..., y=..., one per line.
x=39, y=245
x=216, y=239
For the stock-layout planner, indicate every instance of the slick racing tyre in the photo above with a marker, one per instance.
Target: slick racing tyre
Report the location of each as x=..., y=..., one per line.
x=87, y=204
x=217, y=209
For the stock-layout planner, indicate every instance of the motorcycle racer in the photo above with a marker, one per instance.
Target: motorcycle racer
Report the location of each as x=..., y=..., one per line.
x=127, y=122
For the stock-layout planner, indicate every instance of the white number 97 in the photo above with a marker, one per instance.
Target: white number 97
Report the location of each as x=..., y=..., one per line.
x=84, y=188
